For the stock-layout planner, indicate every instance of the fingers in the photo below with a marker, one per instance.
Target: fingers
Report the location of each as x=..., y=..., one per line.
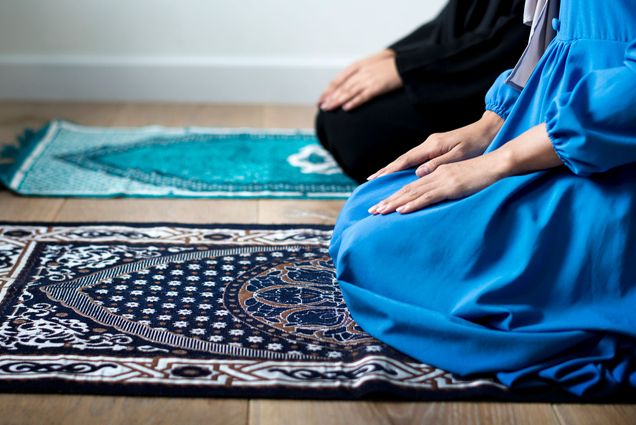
x=346, y=93
x=423, y=201
x=329, y=91
x=380, y=77
x=434, y=146
x=410, y=159
x=410, y=198
x=402, y=196
x=358, y=100
x=324, y=96
x=391, y=204
x=336, y=83
x=403, y=162
x=448, y=181
x=431, y=165
x=345, y=75
x=347, y=89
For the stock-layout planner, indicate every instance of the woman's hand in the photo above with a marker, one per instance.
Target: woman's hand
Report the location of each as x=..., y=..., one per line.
x=362, y=81
x=448, y=181
x=443, y=148
x=530, y=151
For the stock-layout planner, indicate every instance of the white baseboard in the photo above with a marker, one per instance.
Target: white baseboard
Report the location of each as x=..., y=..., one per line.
x=227, y=80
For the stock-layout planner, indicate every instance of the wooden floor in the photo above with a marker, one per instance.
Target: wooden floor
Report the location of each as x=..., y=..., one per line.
x=97, y=410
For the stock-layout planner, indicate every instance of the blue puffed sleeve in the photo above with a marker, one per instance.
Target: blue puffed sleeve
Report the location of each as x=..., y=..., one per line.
x=593, y=127
x=501, y=97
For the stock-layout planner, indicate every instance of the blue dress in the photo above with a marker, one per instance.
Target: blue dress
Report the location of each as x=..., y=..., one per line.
x=532, y=279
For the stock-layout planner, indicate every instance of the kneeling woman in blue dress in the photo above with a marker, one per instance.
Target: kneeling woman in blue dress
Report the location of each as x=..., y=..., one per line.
x=508, y=246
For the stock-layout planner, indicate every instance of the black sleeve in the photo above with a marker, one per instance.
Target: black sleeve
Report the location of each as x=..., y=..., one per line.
x=477, y=39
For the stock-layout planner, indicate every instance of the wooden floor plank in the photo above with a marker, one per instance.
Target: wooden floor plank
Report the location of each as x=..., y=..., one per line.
x=276, y=116
x=160, y=210
x=281, y=412
x=607, y=414
x=291, y=211
x=184, y=115
x=16, y=116
x=18, y=113
x=18, y=208
x=22, y=409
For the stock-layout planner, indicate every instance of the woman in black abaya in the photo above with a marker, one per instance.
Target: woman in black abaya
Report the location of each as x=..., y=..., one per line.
x=431, y=81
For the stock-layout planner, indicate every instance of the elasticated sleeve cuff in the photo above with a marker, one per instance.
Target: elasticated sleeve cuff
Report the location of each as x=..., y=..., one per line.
x=502, y=97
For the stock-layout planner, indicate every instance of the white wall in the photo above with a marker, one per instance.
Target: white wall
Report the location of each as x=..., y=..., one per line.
x=191, y=50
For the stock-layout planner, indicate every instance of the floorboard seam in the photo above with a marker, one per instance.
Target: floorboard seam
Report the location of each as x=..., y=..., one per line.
x=555, y=409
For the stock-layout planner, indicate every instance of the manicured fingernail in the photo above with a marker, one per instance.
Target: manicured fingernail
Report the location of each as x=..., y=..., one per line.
x=400, y=209
x=372, y=210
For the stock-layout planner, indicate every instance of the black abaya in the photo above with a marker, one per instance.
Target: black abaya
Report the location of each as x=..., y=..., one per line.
x=446, y=67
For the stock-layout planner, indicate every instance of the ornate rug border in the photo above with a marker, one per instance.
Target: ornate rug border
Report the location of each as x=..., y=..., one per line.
x=371, y=390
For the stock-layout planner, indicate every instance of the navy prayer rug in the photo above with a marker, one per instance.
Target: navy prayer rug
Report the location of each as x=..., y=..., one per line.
x=195, y=310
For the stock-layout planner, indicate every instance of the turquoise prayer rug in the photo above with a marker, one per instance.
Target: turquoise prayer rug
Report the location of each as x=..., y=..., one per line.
x=197, y=310
x=65, y=159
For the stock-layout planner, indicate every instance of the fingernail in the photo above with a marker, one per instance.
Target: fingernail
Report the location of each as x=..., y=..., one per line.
x=376, y=208
x=423, y=170
x=374, y=175
x=400, y=209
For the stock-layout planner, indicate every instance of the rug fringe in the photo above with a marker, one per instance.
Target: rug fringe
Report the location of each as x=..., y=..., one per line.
x=12, y=156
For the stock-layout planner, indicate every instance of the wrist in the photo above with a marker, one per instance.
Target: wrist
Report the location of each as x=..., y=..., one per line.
x=503, y=162
x=486, y=128
x=491, y=123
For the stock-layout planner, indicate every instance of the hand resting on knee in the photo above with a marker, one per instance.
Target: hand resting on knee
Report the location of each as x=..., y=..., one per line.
x=361, y=81
x=443, y=148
